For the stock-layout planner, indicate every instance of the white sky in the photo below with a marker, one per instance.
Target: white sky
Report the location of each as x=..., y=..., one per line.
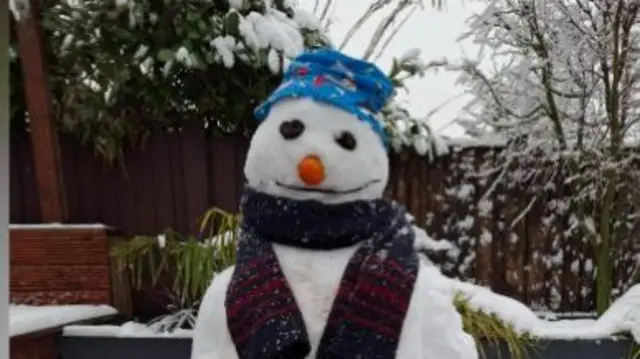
x=435, y=33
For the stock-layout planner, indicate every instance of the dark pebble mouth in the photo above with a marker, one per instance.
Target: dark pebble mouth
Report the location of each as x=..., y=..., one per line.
x=329, y=191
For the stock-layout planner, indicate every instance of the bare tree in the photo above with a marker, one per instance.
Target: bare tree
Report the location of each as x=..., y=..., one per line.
x=564, y=86
x=398, y=13
x=406, y=131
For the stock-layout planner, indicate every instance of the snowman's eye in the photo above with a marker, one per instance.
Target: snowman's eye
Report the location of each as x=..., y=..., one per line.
x=291, y=129
x=346, y=141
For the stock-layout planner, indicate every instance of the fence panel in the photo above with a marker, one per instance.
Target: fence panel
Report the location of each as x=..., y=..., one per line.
x=176, y=176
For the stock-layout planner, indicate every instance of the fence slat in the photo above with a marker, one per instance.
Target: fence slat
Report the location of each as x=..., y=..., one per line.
x=161, y=172
x=129, y=224
x=196, y=186
x=180, y=216
x=484, y=218
x=68, y=153
x=143, y=184
x=536, y=243
x=86, y=185
x=242, y=147
x=223, y=172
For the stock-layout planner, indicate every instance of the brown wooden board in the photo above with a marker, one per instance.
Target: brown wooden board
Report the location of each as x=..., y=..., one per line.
x=196, y=185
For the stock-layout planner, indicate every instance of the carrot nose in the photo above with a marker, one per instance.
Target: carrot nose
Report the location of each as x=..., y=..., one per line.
x=311, y=170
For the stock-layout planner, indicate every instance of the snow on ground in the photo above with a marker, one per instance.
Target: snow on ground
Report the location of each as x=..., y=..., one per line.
x=622, y=317
x=25, y=319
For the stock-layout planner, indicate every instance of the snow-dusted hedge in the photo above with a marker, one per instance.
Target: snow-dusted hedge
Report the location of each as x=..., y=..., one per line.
x=121, y=68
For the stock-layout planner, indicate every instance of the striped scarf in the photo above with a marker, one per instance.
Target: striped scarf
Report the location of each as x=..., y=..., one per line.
x=372, y=301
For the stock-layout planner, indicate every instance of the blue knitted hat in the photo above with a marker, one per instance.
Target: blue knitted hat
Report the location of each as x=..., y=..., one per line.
x=329, y=76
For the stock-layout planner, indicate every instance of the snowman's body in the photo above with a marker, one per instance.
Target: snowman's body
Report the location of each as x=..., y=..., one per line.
x=432, y=328
x=315, y=150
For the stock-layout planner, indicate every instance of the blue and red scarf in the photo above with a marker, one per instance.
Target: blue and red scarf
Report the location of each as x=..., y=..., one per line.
x=369, y=310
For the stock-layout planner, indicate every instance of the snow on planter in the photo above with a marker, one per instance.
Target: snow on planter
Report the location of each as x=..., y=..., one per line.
x=54, y=225
x=25, y=319
x=126, y=330
x=622, y=317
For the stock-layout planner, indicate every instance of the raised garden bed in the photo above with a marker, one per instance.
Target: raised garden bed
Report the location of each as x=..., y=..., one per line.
x=72, y=347
x=96, y=347
x=485, y=315
x=488, y=315
x=570, y=349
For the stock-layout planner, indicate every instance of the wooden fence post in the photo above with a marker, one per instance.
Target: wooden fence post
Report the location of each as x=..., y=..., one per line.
x=44, y=139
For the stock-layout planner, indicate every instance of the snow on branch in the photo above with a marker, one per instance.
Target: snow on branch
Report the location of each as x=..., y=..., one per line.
x=262, y=33
x=406, y=131
x=20, y=9
x=560, y=81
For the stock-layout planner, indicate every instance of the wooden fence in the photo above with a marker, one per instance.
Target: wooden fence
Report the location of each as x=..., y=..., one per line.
x=176, y=177
x=169, y=182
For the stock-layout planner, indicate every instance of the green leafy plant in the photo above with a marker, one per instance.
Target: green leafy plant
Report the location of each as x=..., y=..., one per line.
x=635, y=351
x=489, y=330
x=189, y=263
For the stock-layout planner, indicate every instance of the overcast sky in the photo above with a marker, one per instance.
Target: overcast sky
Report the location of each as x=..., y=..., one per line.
x=435, y=33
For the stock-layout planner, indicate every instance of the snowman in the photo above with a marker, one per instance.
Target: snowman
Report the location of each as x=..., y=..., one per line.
x=326, y=266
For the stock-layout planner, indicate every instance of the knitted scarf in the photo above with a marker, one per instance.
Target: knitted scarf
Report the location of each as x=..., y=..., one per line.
x=369, y=309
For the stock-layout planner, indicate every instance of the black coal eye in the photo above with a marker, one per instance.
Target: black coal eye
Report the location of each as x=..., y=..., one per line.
x=291, y=129
x=346, y=141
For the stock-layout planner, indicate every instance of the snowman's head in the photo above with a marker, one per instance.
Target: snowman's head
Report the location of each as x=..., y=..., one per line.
x=311, y=150
x=320, y=138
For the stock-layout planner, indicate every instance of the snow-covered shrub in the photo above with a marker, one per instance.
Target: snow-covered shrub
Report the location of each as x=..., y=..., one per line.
x=121, y=68
x=405, y=131
x=489, y=330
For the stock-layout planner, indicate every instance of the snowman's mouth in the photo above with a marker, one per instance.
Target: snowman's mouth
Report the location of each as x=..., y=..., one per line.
x=332, y=191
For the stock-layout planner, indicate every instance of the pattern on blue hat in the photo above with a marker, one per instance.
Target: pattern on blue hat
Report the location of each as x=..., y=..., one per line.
x=329, y=76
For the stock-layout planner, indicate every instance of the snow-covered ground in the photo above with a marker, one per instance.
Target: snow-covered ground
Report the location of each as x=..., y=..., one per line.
x=25, y=319
x=622, y=317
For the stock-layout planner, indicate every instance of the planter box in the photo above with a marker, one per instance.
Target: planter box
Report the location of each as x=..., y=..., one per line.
x=180, y=348
x=124, y=348
x=570, y=349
